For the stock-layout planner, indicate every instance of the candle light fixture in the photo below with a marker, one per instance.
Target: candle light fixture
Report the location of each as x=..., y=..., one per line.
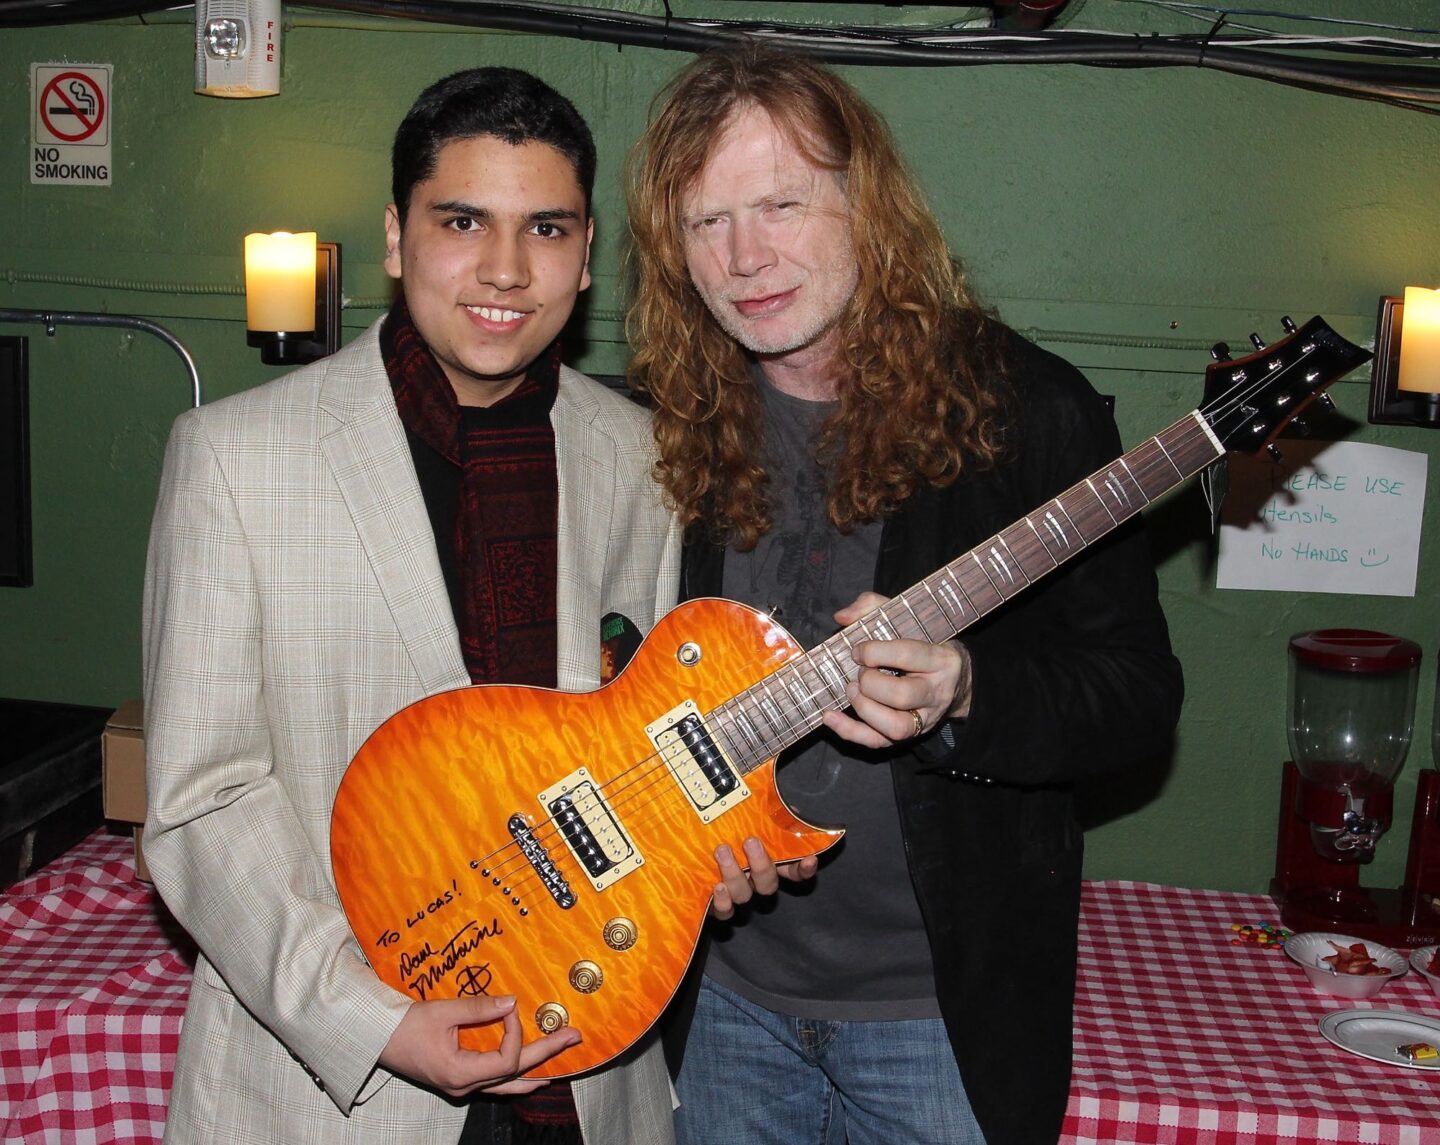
x=292, y=297
x=1405, y=380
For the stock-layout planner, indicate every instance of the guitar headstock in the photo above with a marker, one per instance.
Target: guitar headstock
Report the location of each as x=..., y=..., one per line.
x=1249, y=400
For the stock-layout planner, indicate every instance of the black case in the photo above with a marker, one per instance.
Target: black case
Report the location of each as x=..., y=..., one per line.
x=50, y=795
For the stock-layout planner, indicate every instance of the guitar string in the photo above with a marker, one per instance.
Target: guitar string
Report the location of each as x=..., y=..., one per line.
x=720, y=719
x=727, y=716
x=635, y=787
x=732, y=712
x=726, y=720
x=632, y=783
x=1245, y=389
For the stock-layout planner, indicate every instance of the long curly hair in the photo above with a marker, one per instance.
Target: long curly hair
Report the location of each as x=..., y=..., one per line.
x=917, y=361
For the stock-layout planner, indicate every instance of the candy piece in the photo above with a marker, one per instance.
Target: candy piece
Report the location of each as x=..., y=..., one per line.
x=1418, y=1051
x=1258, y=934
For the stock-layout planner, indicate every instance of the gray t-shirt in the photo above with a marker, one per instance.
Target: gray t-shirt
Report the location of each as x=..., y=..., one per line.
x=850, y=945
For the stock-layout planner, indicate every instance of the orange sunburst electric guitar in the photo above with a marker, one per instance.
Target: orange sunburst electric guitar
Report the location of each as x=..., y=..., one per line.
x=558, y=847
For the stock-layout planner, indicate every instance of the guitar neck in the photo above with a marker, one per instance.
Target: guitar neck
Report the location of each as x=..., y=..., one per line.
x=782, y=708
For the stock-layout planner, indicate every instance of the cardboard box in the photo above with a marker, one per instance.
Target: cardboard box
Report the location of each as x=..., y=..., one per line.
x=122, y=748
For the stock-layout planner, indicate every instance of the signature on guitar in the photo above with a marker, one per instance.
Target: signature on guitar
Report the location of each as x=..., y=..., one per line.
x=473, y=981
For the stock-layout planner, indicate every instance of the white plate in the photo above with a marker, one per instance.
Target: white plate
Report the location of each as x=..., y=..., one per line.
x=1374, y=1034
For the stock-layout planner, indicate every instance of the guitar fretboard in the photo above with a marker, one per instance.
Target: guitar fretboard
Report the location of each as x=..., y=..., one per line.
x=780, y=709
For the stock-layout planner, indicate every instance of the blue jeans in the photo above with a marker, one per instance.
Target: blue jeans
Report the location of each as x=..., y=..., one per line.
x=751, y=1075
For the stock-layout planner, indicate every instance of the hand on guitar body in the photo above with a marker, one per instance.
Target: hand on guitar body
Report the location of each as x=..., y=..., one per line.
x=425, y=1048
x=932, y=684
x=738, y=886
x=907, y=686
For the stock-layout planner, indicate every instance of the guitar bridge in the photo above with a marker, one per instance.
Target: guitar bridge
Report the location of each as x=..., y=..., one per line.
x=591, y=829
x=696, y=761
x=540, y=860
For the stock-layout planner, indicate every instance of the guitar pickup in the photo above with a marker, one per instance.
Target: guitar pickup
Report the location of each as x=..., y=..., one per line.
x=591, y=829
x=696, y=761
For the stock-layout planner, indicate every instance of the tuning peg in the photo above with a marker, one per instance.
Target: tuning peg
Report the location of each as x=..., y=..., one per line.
x=1274, y=451
x=1326, y=402
x=1220, y=352
x=1289, y=324
x=1300, y=426
x=1257, y=341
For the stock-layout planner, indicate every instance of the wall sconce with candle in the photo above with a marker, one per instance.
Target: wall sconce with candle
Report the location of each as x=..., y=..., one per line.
x=292, y=297
x=1405, y=380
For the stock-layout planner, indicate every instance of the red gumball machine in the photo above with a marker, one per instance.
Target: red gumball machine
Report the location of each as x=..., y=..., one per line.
x=1352, y=715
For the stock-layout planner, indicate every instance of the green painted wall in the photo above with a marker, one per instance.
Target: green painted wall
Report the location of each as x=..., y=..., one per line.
x=1096, y=208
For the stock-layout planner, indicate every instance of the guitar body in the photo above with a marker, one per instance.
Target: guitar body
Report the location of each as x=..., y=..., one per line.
x=560, y=846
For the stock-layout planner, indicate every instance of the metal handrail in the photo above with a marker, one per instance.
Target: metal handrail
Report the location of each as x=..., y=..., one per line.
x=52, y=318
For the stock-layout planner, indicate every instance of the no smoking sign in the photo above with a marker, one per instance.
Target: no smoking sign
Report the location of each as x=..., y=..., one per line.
x=70, y=124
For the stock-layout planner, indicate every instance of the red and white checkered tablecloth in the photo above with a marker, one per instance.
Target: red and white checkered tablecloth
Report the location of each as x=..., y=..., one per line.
x=93, y=988
x=1181, y=1036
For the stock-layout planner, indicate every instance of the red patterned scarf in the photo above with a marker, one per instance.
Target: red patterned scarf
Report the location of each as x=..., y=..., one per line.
x=505, y=524
x=505, y=550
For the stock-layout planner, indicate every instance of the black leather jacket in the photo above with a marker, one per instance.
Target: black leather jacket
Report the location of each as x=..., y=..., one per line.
x=1073, y=678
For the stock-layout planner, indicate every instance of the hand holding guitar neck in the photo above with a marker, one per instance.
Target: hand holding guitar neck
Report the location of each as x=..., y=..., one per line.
x=905, y=687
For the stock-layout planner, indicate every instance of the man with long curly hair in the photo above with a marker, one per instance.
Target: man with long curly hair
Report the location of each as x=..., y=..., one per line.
x=838, y=417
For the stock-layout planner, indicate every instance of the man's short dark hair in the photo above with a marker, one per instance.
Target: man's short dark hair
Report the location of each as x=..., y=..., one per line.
x=510, y=105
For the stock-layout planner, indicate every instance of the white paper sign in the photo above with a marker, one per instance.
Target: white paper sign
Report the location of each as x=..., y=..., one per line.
x=1330, y=517
x=70, y=115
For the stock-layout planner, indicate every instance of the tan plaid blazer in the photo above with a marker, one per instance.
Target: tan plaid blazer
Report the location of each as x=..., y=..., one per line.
x=293, y=601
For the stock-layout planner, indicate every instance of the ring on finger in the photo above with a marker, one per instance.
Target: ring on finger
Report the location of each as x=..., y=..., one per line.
x=919, y=720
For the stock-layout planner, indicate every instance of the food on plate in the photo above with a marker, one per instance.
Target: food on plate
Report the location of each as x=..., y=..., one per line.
x=1354, y=959
x=1418, y=1051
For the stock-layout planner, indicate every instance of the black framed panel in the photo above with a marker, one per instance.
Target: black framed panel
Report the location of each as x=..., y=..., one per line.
x=15, y=567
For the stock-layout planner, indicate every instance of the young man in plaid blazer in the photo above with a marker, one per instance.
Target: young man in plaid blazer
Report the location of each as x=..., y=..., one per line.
x=439, y=503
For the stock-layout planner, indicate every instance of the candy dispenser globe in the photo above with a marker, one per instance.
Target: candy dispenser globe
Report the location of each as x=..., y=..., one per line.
x=1352, y=715
x=1351, y=720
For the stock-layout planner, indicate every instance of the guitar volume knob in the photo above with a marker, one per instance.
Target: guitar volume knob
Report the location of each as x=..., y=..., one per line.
x=551, y=1017
x=620, y=934
x=586, y=977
